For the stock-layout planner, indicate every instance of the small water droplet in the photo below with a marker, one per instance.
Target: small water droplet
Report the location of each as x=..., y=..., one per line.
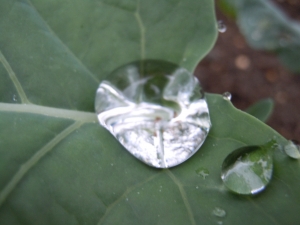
x=127, y=199
x=184, y=59
x=221, y=26
x=203, y=172
x=197, y=187
x=292, y=150
x=15, y=98
x=249, y=169
x=138, y=193
x=112, y=164
x=220, y=222
x=227, y=96
x=219, y=212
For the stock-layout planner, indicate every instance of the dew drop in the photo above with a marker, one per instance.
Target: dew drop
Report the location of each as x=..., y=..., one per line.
x=249, y=169
x=221, y=26
x=227, y=96
x=15, y=98
x=219, y=212
x=156, y=110
x=292, y=150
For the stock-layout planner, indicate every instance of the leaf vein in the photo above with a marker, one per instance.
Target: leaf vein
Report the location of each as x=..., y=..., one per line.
x=86, y=117
x=128, y=191
x=183, y=195
x=23, y=170
x=64, y=45
x=142, y=30
x=14, y=79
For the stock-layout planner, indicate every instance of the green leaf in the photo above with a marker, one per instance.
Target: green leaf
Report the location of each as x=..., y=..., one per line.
x=59, y=166
x=262, y=109
x=266, y=27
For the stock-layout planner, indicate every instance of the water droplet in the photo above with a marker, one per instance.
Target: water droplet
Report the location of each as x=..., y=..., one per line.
x=127, y=199
x=138, y=193
x=15, y=98
x=248, y=170
x=219, y=212
x=156, y=110
x=221, y=26
x=220, y=222
x=292, y=150
x=227, y=96
x=112, y=164
x=203, y=172
x=197, y=187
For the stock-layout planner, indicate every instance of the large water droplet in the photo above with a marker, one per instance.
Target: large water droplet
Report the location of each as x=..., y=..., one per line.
x=249, y=169
x=221, y=26
x=227, y=96
x=292, y=150
x=156, y=110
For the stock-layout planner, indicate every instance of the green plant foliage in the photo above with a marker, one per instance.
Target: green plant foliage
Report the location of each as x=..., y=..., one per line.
x=262, y=109
x=59, y=166
x=266, y=27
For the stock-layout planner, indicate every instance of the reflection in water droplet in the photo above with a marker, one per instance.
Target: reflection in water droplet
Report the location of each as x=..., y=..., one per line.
x=249, y=169
x=156, y=110
x=227, y=96
x=292, y=150
x=221, y=26
x=203, y=172
x=219, y=212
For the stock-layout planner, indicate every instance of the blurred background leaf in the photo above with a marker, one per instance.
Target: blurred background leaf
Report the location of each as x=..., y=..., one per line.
x=266, y=27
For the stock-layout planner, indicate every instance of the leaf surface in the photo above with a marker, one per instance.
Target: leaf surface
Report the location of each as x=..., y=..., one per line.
x=58, y=166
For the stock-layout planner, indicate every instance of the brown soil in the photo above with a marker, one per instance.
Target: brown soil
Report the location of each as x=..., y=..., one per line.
x=250, y=75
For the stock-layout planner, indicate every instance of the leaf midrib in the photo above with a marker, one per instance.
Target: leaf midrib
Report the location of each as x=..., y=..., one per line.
x=80, y=116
